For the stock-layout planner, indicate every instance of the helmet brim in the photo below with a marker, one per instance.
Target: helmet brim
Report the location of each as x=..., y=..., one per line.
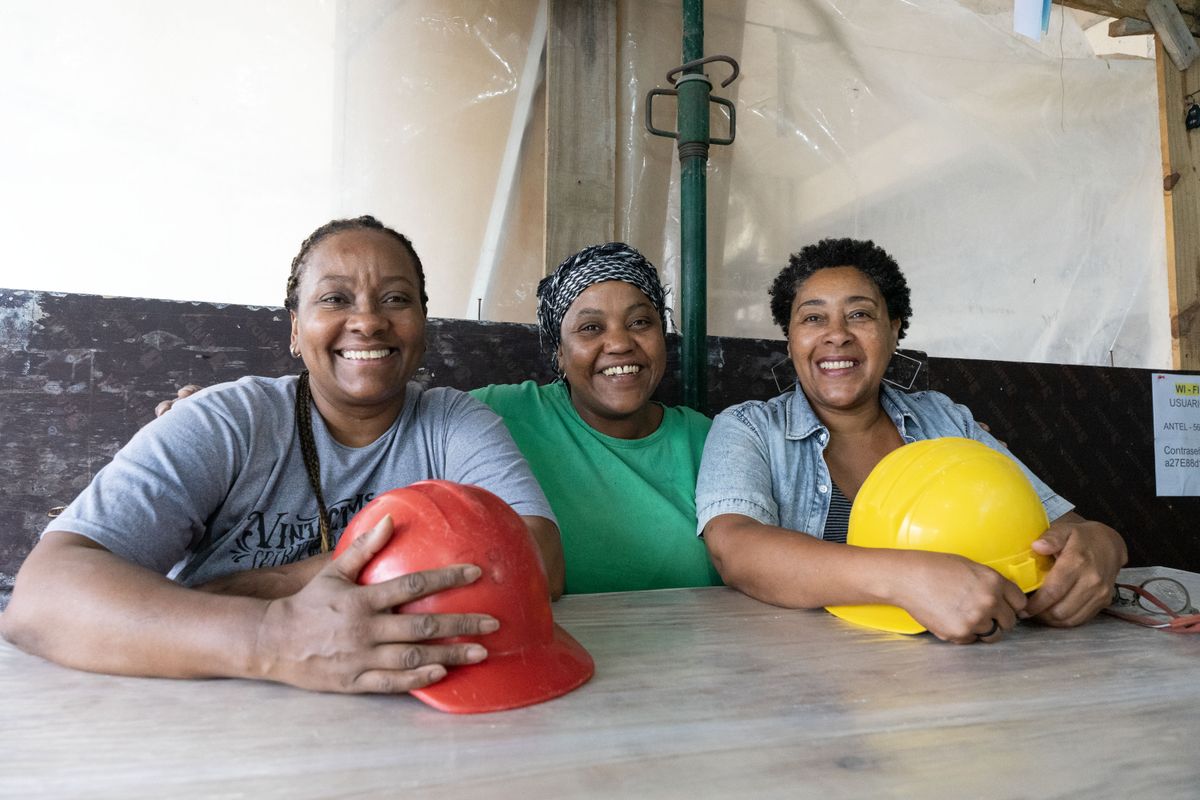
x=511, y=680
x=880, y=617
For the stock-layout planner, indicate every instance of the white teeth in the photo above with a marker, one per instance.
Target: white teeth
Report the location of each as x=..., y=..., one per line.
x=836, y=364
x=365, y=355
x=628, y=369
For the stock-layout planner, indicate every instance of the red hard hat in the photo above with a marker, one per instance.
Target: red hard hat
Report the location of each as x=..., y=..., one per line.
x=438, y=523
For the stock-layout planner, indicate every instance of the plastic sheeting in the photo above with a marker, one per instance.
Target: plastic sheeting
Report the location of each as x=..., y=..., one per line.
x=1017, y=183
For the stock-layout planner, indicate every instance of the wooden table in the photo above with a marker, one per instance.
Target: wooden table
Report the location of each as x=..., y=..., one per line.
x=698, y=693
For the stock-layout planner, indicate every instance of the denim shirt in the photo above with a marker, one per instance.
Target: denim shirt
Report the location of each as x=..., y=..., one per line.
x=765, y=459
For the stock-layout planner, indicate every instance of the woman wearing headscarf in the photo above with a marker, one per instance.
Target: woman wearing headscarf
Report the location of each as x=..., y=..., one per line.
x=257, y=477
x=618, y=468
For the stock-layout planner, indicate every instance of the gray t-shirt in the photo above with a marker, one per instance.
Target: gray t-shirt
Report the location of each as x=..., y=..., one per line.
x=218, y=485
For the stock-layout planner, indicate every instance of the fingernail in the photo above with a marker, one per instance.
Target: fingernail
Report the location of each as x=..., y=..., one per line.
x=472, y=572
x=489, y=626
x=476, y=653
x=436, y=672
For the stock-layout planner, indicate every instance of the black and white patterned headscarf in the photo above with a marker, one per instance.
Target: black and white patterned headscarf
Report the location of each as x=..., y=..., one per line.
x=615, y=261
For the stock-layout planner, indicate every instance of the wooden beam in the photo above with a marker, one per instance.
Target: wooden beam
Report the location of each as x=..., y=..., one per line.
x=1135, y=9
x=581, y=127
x=1171, y=29
x=1128, y=26
x=1181, y=199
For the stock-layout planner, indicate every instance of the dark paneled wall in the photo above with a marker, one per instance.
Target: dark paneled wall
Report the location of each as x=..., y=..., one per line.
x=79, y=374
x=1089, y=433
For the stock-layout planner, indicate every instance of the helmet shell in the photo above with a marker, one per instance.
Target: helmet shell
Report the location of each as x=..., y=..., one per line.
x=438, y=523
x=948, y=495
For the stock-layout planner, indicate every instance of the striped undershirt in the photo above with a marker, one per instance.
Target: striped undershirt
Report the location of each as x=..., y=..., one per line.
x=838, y=521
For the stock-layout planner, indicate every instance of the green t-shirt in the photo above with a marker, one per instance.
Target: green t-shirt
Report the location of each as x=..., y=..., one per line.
x=626, y=508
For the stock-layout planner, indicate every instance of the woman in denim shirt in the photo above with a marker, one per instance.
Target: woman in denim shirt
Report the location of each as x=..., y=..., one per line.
x=772, y=469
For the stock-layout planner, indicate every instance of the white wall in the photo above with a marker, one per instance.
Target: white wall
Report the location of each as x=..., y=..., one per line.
x=184, y=149
x=163, y=149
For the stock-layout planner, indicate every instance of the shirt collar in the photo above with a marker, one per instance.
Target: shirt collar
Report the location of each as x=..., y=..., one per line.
x=896, y=405
x=802, y=421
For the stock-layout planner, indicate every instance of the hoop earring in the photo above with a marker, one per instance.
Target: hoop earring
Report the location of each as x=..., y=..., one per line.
x=902, y=370
x=295, y=351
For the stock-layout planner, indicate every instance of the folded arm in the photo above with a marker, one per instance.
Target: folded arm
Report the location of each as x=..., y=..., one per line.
x=268, y=583
x=955, y=598
x=80, y=605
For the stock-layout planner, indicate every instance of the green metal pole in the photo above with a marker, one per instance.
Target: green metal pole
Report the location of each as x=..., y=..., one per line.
x=693, y=222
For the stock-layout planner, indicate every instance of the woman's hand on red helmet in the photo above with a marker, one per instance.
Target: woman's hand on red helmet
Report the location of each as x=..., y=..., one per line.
x=335, y=635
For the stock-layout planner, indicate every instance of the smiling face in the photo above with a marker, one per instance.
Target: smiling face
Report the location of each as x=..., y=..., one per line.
x=359, y=325
x=840, y=339
x=613, y=355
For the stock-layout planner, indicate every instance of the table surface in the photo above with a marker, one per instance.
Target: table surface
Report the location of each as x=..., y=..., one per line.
x=697, y=692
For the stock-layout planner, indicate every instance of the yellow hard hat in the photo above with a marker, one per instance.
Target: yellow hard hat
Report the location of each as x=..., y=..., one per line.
x=948, y=495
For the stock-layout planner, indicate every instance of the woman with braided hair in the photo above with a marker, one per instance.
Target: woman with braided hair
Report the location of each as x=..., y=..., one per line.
x=201, y=549
x=618, y=469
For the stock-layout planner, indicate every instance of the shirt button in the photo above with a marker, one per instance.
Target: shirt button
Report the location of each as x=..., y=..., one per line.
x=822, y=489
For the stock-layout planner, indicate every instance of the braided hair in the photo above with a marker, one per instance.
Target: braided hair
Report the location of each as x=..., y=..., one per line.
x=304, y=401
x=308, y=451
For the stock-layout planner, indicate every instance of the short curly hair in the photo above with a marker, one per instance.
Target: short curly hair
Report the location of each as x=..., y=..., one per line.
x=365, y=222
x=864, y=255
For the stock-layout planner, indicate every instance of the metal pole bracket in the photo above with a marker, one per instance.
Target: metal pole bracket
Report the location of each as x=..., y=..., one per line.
x=696, y=76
